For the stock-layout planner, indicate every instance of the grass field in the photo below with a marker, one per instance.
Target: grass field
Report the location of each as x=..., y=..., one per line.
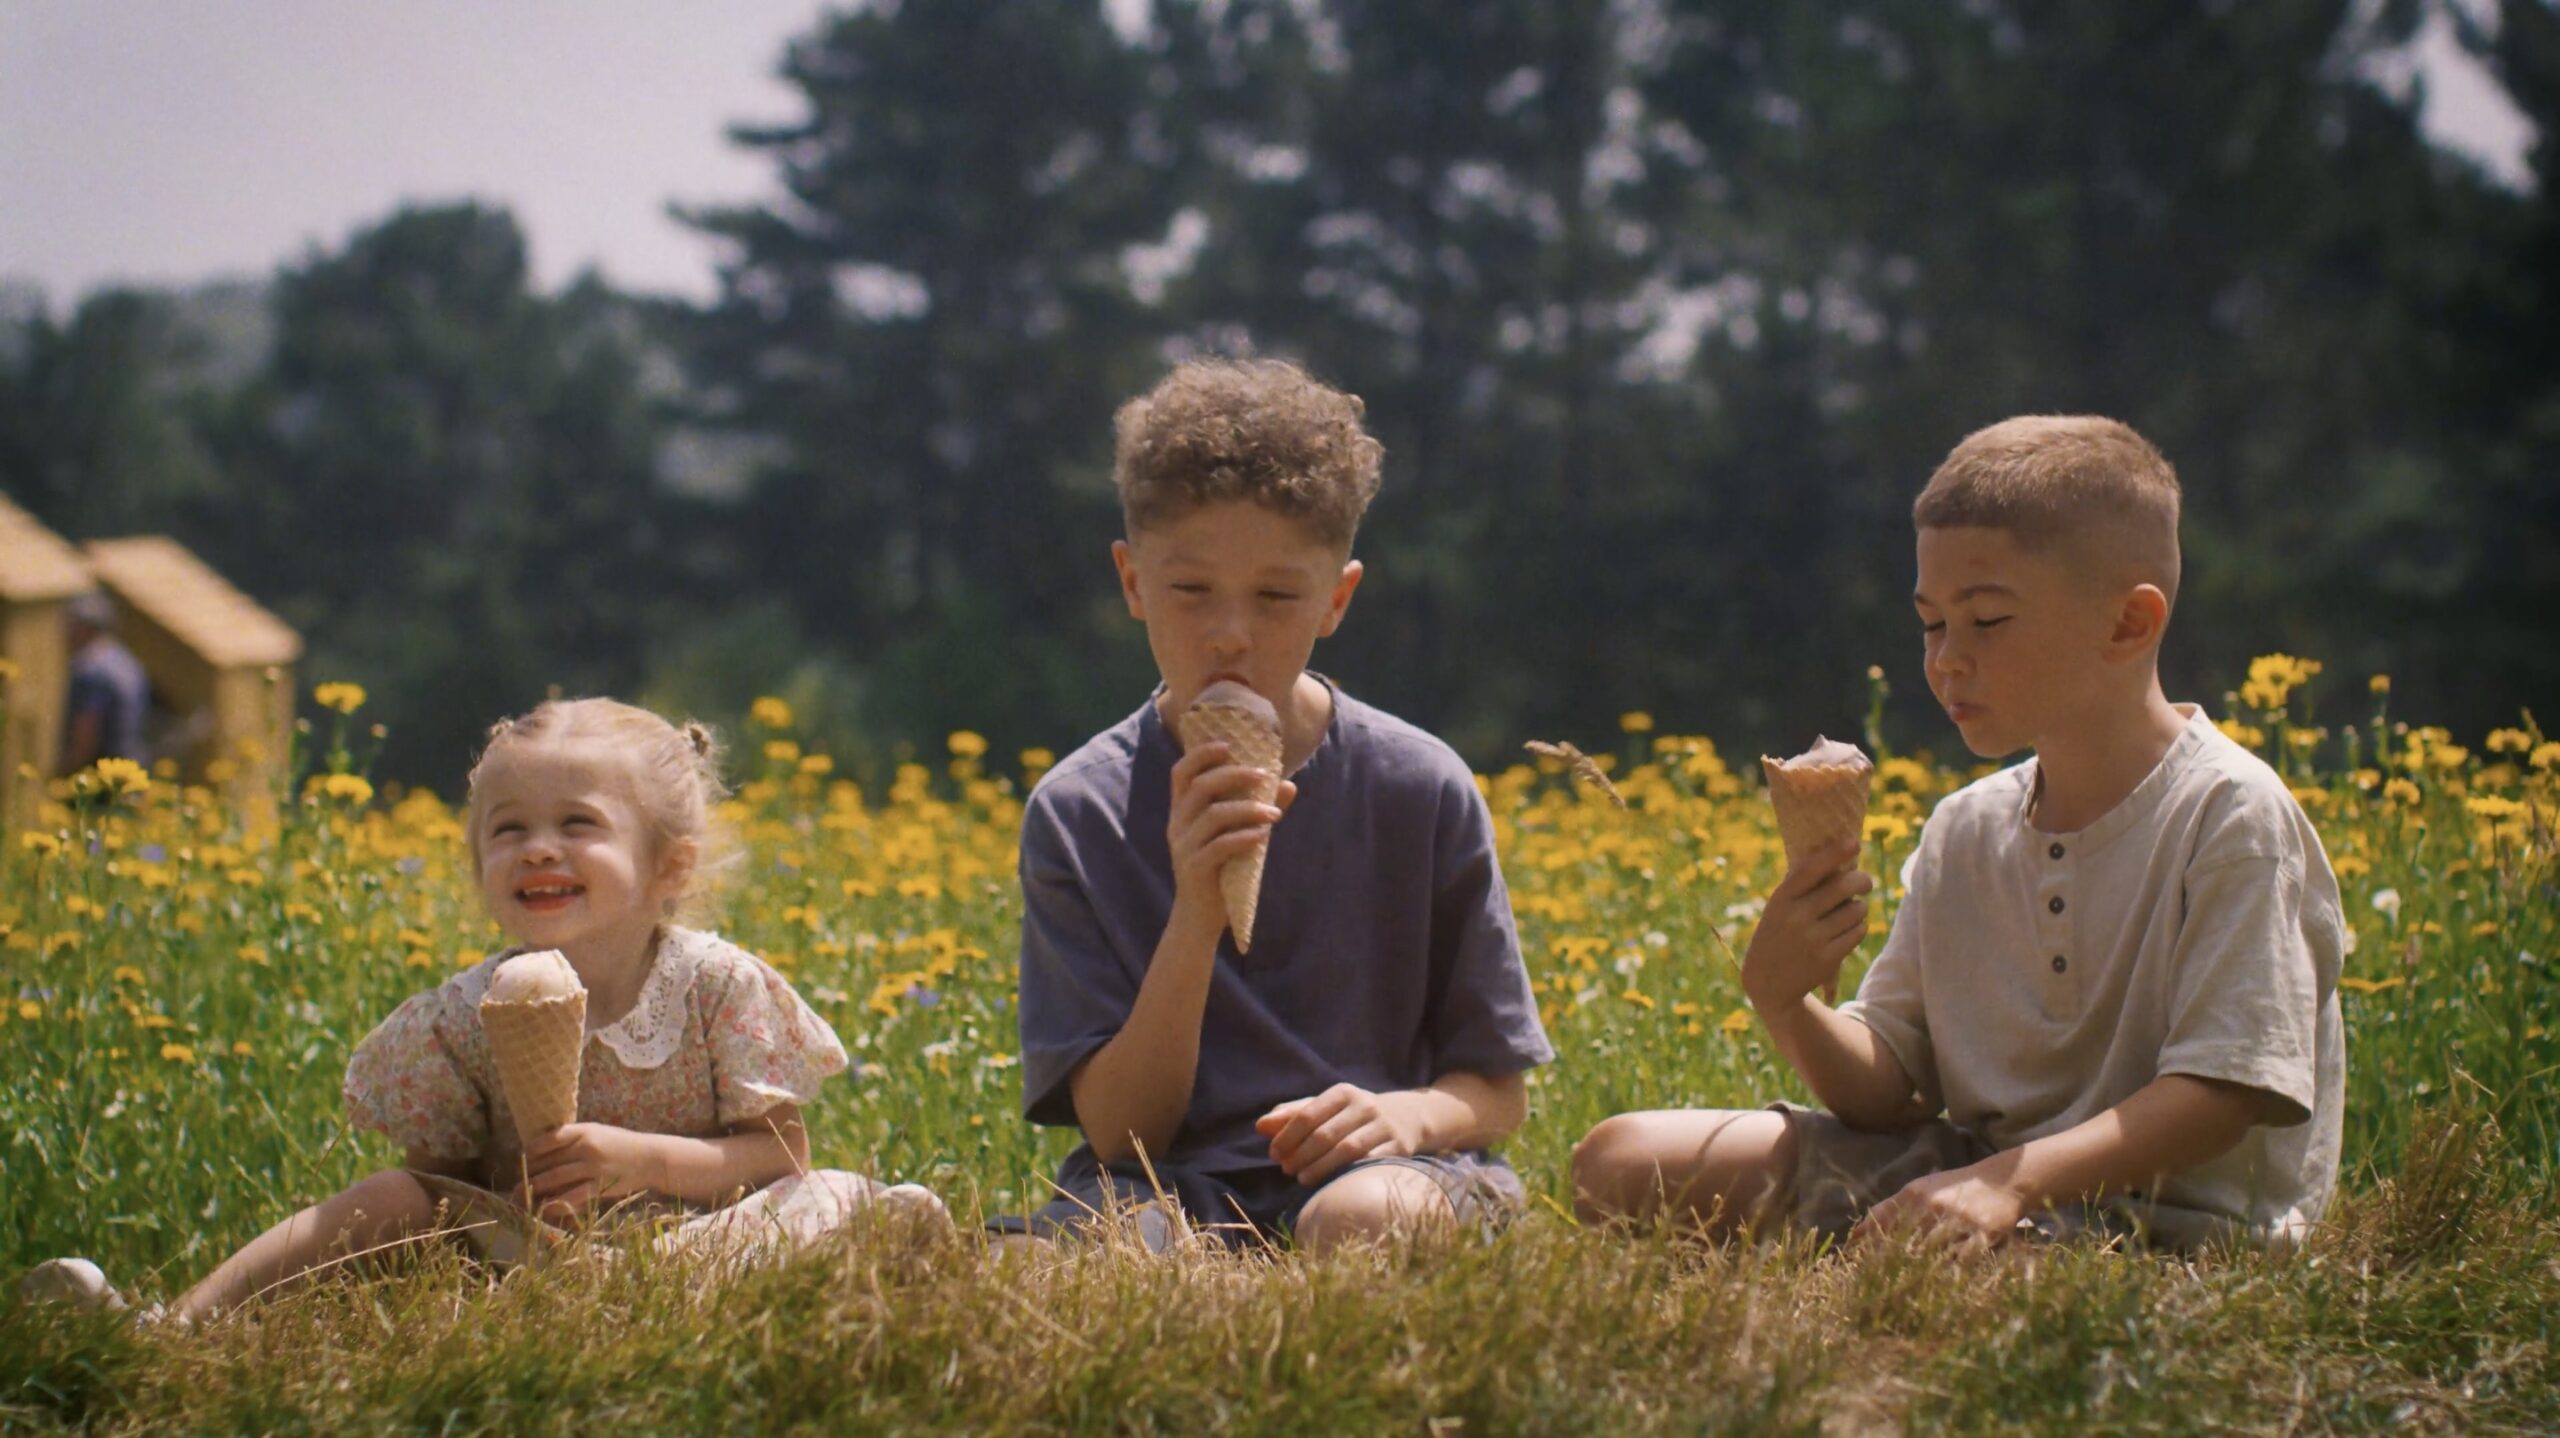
x=184, y=974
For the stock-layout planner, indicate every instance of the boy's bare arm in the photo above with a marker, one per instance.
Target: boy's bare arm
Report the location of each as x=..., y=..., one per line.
x=1813, y=919
x=2170, y=1125
x=1136, y=1088
x=1315, y=1138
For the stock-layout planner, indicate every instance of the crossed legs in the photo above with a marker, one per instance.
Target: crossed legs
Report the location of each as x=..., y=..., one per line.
x=1715, y=1171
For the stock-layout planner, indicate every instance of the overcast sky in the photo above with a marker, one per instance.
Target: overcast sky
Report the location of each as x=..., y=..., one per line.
x=168, y=141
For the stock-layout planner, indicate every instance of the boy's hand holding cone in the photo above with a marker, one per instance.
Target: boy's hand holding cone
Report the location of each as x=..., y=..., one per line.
x=535, y=1013
x=1231, y=714
x=1821, y=799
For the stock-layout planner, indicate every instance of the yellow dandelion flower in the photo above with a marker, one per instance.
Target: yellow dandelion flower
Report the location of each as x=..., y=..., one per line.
x=122, y=776
x=126, y=974
x=2350, y=866
x=967, y=743
x=339, y=695
x=2546, y=755
x=1037, y=759
x=2245, y=735
x=29, y=1010
x=2402, y=791
x=2490, y=806
x=782, y=751
x=2379, y=684
x=1640, y=1000
x=35, y=842
x=2510, y=741
x=769, y=713
x=178, y=1053
x=1737, y=1022
x=2370, y=986
x=1636, y=721
x=354, y=788
x=817, y=764
x=241, y=1049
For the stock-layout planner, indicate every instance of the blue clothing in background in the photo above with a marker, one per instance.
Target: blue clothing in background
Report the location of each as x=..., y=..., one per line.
x=106, y=680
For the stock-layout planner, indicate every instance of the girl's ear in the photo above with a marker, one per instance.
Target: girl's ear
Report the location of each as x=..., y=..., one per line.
x=675, y=870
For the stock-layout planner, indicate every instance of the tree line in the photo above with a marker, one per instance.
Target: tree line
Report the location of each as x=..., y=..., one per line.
x=1662, y=308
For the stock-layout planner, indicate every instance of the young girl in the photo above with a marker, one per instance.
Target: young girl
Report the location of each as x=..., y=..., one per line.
x=589, y=823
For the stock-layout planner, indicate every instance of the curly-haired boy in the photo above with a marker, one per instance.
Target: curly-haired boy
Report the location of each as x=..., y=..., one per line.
x=1346, y=1078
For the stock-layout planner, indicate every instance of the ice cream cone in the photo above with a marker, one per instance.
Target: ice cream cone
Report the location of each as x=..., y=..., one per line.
x=1245, y=722
x=1820, y=796
x=535, y=1014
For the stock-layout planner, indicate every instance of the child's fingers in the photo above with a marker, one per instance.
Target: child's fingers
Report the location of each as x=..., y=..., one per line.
x=1353, y=1147
x=1818, y=866
x=1287, y=796
x=1196, y=762
x=1333, y=1144
x=1310, y=1114
x=1271, y=1122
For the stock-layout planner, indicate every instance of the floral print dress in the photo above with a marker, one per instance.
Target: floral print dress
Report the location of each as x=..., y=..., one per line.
x=716, y=1038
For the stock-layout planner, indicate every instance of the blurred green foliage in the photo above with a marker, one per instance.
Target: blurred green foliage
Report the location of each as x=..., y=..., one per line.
x=1663, y=310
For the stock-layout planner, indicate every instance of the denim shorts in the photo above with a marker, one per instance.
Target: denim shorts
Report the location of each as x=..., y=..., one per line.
x=1247, y=1207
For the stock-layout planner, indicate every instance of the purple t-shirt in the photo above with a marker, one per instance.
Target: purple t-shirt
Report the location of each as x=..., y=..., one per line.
x=1383, y=949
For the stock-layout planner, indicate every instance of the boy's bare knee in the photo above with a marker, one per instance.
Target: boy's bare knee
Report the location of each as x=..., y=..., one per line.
x=1371, y=1205
x=1617, y=1170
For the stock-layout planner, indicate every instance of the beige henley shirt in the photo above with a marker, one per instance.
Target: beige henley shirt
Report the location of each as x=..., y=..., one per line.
x=2034, y=980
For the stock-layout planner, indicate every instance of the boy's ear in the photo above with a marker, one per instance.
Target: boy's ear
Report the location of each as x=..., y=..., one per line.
x=1125, y=560
x=2141, y=617
x=1343, y=588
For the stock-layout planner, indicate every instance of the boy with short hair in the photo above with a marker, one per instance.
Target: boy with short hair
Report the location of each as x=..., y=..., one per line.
x=2109, y=1000
x=1345, y=1077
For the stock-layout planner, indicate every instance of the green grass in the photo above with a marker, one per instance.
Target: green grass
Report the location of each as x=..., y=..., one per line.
x=143, y=937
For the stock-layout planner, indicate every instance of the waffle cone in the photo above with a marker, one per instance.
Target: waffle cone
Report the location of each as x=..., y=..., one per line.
x=1254, y=741
x=538, y=1046
x=1819, y=803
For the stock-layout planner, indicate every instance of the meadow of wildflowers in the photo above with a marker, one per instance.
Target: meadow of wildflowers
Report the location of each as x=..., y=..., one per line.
x=185, y=967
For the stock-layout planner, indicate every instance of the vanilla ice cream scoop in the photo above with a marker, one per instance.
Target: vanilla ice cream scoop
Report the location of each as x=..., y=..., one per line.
x=535, y=1016
x=532, y=978
x=1228, y=694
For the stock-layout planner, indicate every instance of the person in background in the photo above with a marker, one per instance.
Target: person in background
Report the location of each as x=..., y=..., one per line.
x=109, y=692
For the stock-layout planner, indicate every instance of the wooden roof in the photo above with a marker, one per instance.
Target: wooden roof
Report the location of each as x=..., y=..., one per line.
x=35, y=563
x=166, y=584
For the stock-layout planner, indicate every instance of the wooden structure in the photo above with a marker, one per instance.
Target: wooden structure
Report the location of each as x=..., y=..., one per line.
x=39, y=574
x=211, y=651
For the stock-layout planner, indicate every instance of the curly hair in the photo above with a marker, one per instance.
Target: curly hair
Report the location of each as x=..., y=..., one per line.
x=1259, y=430
x=2079, y=481
x=673, y=773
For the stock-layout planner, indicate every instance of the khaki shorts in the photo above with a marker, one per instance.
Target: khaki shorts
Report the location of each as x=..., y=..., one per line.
x=1841, y=1172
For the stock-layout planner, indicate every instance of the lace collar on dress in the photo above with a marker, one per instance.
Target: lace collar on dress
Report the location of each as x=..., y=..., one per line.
x=649, y=1035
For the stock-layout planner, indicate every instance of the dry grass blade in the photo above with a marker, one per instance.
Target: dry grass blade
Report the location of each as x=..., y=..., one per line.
x=1582, y=765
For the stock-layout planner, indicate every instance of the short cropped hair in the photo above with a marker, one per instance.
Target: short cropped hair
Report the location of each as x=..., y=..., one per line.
x=1258, y=430
x=2081, y=482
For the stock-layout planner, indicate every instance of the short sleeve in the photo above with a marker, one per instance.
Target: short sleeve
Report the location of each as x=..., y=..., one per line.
x=768, y=1046
x=1889, y=999
x=2245, y=997
x=1074, y=994
x=404, y=1080
x=1483, y=1017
